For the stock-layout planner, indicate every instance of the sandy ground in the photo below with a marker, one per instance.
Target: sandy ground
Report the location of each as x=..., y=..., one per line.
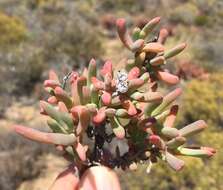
x=29, y=115
x=54, y=166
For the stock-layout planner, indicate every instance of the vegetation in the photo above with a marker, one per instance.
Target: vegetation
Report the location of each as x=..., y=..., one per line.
x=36, y=35
x=12, y=30
x=19, y=161
x=208, y=106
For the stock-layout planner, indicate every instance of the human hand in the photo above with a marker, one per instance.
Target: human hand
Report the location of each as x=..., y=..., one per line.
x=95, y=178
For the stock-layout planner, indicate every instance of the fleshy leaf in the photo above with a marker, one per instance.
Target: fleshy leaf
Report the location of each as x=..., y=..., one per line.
x=123, y=33
x=83, y=116
x=43, y=137
x=129, y=106
x=53, y=76
x=167, y=77
x=153, y=97
x=81, y=151
x=86, y=94
x=99, y=85
x=134, y=73
x=136, y=32
x=55, y=126
x=121, y=113
x=193, y=128
x=62, y=95
x=137, y=45
x=107, y=68
x=100, y=116
x=174, y=51
x=134, y=84
x=110, y=112
x=153, y=47
x=157, y=141
x=52, y=100
x=149, y=27
x=51, y=83
x=157, y=61
x=167, y=100
x=118, y=130
x=106, y=98
x=81, y=81
x=170, y=119
x=174, y=162
x=91, y=71
x=94, y=95
x=176, y=142
x=170, y=132
x=202, y=152
x=163, y=34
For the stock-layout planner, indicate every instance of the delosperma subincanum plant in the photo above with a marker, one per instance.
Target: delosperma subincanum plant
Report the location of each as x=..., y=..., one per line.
x=119, y=118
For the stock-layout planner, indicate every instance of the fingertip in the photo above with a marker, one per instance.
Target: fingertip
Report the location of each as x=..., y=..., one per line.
x=66, y=180
x=99, y=178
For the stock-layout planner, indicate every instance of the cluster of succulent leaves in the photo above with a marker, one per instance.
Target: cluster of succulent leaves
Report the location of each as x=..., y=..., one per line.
x=124, y=106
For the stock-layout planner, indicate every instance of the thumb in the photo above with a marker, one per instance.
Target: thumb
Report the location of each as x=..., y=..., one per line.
x=99, y=178
x=66, y=180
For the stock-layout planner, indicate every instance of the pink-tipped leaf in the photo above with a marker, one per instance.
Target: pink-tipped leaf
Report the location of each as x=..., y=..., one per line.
x=157, y=141
x=123, y=33
x=62, y=95
x=53, y=76
x=157, y=61
x=51, y=83
x=163, y=34
x=174, y=162
x=170, y=119
x=100, y=116
x=149, y=27
x=43, y=137
x=196, y=152
x=106, y=98
x=133, y=73
x=167, y=77
x=167, y=100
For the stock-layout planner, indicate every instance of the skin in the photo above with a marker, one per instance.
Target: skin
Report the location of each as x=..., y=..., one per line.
x=95, y=178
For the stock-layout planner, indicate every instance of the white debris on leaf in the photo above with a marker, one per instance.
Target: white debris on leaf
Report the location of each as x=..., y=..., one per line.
x=122, y=87
x=122, y=82
x=122, y=76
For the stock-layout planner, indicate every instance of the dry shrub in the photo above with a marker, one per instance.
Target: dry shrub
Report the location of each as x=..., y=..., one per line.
x=20, y=160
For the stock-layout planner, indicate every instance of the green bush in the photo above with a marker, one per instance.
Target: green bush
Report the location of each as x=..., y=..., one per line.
x=184, y=13
x=12, y=30
x=68, y=37
x=126, y=5
x=20, y=70
x=203, y=99
x=201, y=20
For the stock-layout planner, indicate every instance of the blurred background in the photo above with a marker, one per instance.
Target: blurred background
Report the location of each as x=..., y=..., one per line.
x=36, y=35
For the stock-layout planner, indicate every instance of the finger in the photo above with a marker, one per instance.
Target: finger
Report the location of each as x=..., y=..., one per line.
x=99, y=178
x=66, y=180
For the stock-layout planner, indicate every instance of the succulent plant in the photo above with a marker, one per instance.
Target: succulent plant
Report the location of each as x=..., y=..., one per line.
x=91, y=113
